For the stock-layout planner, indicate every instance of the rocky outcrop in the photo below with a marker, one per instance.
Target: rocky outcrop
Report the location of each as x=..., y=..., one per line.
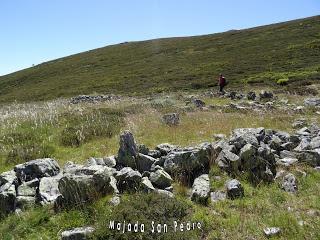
x=255, y=152
x=93, y=99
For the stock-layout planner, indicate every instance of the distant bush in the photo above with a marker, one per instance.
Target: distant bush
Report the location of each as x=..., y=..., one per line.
x=196, y=85
x=23, y=153
x=25, y=143
x=162, y=103
x=283, y=81
x=81, y=128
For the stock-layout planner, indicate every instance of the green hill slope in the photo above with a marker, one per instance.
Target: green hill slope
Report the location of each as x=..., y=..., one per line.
x=289, y=51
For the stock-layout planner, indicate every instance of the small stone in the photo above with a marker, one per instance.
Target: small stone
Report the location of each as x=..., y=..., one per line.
x=234, y=189
x=289, y=183
x=115, y=200
x=81, y=233
x=218, y=196
x=287, y=161
x=272, y=231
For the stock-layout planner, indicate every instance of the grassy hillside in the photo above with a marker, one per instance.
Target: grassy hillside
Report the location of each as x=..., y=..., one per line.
x=287, y=52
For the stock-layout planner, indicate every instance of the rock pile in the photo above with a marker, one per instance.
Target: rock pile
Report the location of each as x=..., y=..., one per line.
x=257, y=152
x=93, y=99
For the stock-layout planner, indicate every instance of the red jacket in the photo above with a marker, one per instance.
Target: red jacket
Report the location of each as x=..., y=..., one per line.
x=222, y=81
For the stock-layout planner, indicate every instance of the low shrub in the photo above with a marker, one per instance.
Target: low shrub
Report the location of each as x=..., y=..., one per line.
x=283, y=81
x=81, y=128
x=26, y=152
x=145, y=208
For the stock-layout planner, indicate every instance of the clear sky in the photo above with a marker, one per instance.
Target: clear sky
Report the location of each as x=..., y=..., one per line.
x=34, y=31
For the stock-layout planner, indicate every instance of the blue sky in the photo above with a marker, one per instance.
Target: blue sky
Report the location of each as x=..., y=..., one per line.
x=34, y=31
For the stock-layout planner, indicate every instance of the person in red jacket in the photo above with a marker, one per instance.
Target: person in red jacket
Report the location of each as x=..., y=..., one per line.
x=222, y=82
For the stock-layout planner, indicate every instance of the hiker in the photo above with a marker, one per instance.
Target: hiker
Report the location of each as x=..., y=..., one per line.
x=222, y=82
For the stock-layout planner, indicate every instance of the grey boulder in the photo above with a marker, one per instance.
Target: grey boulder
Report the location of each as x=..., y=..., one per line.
x=49, y=189
x=289, y=183
x=228, y=161
x=201, y=189
x=312, y=102
x=128, y=151
x=146, y=185
x=234, y=189
x=161, y=179
x=37, y=169
x=128, y=179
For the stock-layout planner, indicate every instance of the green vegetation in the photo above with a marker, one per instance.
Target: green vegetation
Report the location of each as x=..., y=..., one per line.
x=23, y=140
x=261, y=55
x=263, y=206
x=44, y=125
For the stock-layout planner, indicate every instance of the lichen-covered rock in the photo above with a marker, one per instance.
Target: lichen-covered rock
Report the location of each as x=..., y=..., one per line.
x=287, y=161
x=37, y=169
x=271, y=231
x=143, y=149
x=8, y=182
x=248, y=156
x=7, y=179
x=128, y=151
x=201, y=189
x=128, y=180
x=251, y=96
x=243, y=136
x=164, y=193
x=161, y=179
x=28, y=188
x=228, y=161
x=234, y=189
x=312, y=102
x=311, y=157
x=115, y=200
x=7, y=200
x=25, y=202
x=82, y=233
x=49, y=189
x=110, y=161
x=146, y=185
x=144, y=162
x=82, y=188
x=166, y=148
x=289, y=183
x=195, y=160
